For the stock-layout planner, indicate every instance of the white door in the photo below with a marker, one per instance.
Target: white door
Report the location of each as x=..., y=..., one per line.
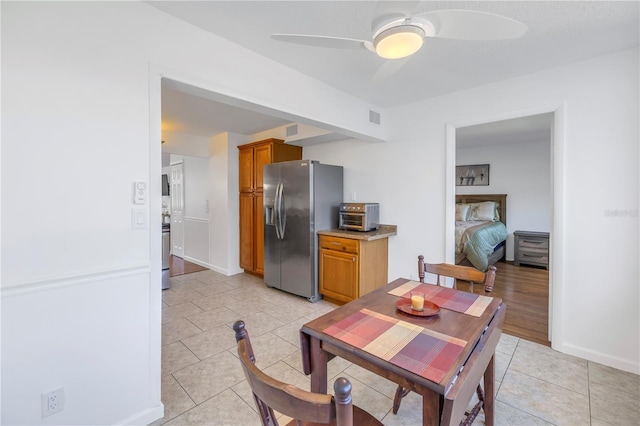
x=177, y=209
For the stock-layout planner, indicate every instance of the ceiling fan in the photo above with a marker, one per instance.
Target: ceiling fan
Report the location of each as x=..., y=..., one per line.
x=397, y=36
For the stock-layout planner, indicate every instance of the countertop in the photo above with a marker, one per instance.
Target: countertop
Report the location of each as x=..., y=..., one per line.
x=385, y=231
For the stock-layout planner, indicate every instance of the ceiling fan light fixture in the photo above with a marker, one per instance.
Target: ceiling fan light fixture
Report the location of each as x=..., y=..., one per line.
x=399, y=42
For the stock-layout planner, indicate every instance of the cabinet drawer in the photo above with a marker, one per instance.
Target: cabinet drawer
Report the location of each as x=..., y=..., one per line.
x=533, y=242
x=527, y=256
x=338, y=244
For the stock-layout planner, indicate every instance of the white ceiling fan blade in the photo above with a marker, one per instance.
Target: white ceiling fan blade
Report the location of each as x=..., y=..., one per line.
x=323, y=41
x=473, y=25
x=388, y=68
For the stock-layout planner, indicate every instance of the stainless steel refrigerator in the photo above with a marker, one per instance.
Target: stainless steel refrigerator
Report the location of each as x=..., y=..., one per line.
x=300, y=198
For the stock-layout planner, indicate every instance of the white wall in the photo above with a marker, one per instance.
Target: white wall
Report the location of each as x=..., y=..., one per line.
x=223, y=178
x=522, y=171
x=80, y=87
x=595, y=170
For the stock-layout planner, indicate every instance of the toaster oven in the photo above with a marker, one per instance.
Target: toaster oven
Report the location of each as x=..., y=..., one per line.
x=359, y=216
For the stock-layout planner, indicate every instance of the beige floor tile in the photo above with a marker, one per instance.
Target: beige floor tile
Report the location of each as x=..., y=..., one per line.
x=380, y=384
x=171, y=297
x=251, y=303
x=177, y=330
x=214, y=318
x=544, y=400
x=549, y=351
x=269, y=349
x=211, y=342
x=182, y=310
x=367, y=398
x=285, y=373
x=224, y=409
x=409, y=414
x=614, y=394
x=614, y=378
x=176, y=356
x=507, y=344
x=209, y=303
x=551, y=368
x=291, y=331
x=288, y=312
x=506, y=415
x=210, y=377
x=258, y=323
x=502, y=360
x=177, y=400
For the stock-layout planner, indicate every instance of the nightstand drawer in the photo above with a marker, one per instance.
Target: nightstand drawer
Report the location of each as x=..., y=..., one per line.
x=533, y=257
x=533, y=242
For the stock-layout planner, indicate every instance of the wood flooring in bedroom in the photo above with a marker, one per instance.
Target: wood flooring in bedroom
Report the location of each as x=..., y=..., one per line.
x=525, y=290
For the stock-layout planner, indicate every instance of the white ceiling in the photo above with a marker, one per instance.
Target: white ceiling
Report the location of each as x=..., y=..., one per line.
x=559, y=33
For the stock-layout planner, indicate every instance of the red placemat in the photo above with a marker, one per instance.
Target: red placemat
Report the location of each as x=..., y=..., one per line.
x=447, y=298
x=424, y=352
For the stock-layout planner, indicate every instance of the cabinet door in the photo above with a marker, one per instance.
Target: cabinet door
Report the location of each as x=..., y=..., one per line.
x=245, y=172
x=247, y=231
x=259, y=234
x=338, y=275
x=261, y=156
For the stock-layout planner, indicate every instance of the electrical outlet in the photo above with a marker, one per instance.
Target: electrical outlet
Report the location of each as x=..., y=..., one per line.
x=52, y=402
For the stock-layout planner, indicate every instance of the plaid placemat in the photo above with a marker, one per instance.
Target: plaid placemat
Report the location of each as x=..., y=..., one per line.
x=448, y=298
x=424, y=352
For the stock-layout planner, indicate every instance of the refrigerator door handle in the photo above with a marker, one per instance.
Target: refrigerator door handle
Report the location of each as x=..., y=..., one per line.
x=276, y=210
x=282, y=213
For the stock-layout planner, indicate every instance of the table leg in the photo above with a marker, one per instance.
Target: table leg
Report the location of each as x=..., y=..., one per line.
x=431, y=408
x=319, y=361
x=489, y=392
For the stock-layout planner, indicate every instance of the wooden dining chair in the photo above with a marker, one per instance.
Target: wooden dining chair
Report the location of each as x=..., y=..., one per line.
x=306, y=408
x=463, y=273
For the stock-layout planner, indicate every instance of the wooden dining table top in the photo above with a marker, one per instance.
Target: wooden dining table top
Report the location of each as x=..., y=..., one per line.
x=447, y=322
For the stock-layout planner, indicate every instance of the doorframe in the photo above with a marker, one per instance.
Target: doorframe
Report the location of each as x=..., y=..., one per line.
x=557, y=235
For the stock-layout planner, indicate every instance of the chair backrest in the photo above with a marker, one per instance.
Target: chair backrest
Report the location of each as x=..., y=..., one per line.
x=458, y=272
x=271, y=394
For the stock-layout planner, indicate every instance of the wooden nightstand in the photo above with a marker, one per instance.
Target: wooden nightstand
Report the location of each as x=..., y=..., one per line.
x=531, y=248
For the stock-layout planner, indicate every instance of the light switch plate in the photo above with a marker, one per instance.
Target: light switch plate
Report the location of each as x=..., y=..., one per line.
x=138, y=218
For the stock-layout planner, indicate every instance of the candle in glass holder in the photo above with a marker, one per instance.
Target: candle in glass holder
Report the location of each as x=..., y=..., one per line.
x=417, y=300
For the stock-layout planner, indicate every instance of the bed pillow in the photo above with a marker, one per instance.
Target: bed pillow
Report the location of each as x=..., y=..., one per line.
x=463, y=211
x=487, y=210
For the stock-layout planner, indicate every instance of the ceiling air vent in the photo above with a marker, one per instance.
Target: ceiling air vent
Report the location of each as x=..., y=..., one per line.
x=374, y=117
x=292, y=130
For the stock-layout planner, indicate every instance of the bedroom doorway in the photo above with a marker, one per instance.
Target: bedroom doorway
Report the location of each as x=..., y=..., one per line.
x=517, y=154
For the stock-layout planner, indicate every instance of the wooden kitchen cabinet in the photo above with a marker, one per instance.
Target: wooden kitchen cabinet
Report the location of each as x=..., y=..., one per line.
x=349, y=268
x=252, y=159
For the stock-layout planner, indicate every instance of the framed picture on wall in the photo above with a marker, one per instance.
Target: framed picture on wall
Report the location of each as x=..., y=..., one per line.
x=476, y=175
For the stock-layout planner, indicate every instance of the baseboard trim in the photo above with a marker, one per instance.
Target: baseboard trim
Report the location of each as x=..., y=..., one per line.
x=145, y=417
x=72, y=280
x=207, y=265
x=600, y=358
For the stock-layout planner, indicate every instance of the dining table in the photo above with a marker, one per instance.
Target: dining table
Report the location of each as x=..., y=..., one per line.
x=442, y=353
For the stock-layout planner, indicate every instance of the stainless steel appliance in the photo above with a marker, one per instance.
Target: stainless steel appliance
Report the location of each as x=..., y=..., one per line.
x=166, y=249
x=300, y=198
x=359, y=216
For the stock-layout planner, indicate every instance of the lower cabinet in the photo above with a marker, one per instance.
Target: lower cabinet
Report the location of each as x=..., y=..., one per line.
x=349, y=268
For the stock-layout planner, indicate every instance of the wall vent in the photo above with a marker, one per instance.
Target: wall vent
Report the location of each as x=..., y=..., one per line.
x=374, y=117
x=292, y=130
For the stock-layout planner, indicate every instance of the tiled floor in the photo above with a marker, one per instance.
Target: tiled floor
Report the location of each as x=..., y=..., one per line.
x=203, y=383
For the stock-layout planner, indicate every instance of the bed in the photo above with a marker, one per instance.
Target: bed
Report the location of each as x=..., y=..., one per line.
x=481, y=231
